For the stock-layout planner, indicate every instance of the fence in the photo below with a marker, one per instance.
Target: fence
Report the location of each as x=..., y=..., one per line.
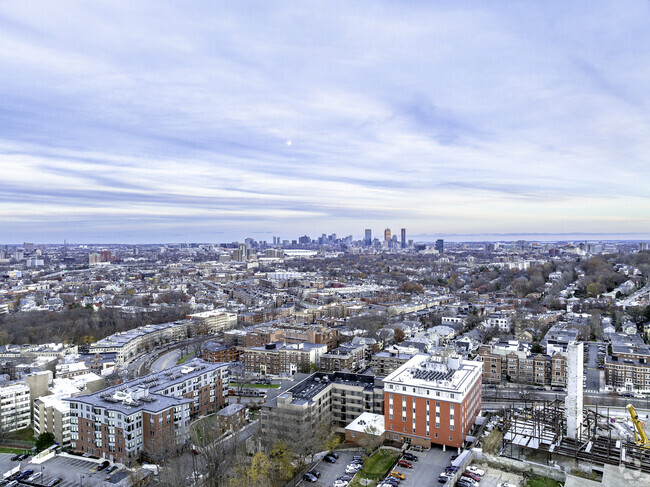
x=16, y=443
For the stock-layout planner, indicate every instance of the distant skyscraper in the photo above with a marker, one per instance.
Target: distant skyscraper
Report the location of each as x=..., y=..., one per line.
x=368, y=239
x=440, y=245
x=387, y=235
x=403, y=238
x=243, y=254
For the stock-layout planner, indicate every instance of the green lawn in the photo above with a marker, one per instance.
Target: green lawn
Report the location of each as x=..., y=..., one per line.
x=11, y=450
x=542, y=482
x=255, y=386
x=25, y=434
x=376, y=467
x=184, y=359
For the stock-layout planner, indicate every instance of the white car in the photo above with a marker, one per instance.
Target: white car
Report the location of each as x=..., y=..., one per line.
x=476, y=471
x=340, y=483
x=506, y=484
x=352, y=468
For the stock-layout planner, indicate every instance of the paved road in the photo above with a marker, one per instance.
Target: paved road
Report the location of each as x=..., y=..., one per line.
x=592, y=374
x=166, y=361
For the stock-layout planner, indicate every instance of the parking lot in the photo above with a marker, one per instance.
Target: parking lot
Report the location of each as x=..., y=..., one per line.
x=73, y=471
x=425, y=470
x=7, y=464
x=429, y=466
x=331, y=471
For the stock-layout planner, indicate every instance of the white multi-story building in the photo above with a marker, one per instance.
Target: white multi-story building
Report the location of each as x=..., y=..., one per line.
x=52, y=413
x=15, y=408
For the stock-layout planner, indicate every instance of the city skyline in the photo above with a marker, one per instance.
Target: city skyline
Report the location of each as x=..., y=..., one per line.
x=157, y=123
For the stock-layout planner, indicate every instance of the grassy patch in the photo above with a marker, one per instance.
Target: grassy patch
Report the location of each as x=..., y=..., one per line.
x=11, y=450
x=255, y=386
x=542, y=482
x=376, y=467
x=25, y=434
x=184, y=359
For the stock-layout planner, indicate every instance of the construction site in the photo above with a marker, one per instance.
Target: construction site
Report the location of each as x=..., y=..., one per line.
x=568, y=436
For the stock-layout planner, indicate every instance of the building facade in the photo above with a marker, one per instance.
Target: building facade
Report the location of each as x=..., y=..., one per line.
x=433, y=400
x=148, y=417
x=282, y=359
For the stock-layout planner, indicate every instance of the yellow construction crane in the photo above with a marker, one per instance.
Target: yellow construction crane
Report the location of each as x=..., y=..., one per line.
x=640, y=438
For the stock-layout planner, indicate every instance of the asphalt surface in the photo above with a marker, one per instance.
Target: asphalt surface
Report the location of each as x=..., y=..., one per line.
x=331, y=471
x=592, y=374
x=73, y=472
x=166, y=361
x=428, y=468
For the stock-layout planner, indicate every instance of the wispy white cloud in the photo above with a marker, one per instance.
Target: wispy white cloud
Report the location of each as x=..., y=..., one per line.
x=151, y=120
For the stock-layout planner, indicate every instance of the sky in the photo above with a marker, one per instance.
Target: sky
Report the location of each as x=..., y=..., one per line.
x=160, y=121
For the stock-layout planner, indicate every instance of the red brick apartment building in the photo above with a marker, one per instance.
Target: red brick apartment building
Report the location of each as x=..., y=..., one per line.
x=433, y=400
x=147, y=417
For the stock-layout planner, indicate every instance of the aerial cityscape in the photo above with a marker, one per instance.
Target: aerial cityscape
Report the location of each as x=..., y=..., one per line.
x=330, y=244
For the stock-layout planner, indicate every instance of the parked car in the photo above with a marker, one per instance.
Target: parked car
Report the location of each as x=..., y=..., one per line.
x=472, y=476
x=397, y=475
x=391, y=481
x=341, y=483
x=444, y=477
x=103, y=465
x=23, y=457
x=417, y=448
x=454, y=457
x=26, y=473
x=54, y=482
x=506, y=484
x=112, y=469
x=333, y=454
x=315, y=473
x=34, y=477
x=309, y=477
x=329, y=459
x=410, y=457
x=476, y=471
x=451, y=469
x=404, y=463
x=470, y=482
x=464, y=482
x=352, y=468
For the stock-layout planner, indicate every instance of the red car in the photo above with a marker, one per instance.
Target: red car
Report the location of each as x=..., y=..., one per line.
x=472, y=476
x=404, y=463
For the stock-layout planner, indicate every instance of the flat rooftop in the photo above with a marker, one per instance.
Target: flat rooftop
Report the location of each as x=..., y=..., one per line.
x=147, y=392
x=307, y=389
x=623, y=343
x=451, y=374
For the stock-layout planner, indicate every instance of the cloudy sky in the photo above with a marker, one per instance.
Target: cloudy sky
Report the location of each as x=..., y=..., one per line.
x=213, y=121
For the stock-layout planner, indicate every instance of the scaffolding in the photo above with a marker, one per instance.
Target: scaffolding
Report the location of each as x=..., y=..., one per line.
x=542, y=428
